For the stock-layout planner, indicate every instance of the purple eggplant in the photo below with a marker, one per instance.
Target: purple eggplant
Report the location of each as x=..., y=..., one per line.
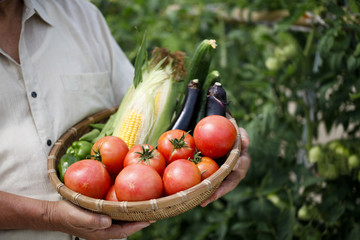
x=216, y=100
x=183, y=119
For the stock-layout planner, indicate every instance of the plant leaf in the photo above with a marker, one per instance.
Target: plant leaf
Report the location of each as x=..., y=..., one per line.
x=139, y=61
x=354, y=96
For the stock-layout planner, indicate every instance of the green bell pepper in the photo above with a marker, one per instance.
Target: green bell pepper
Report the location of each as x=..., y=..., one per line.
x=80, y=149
x=65, y=161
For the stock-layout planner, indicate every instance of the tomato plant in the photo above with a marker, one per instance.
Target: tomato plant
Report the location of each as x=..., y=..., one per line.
x=138, y=182
x=88, y=177
x=111, y=151
x=282, y=111
x=146, y=154
x=214, y=136
x=176, y=144
x=180, y=175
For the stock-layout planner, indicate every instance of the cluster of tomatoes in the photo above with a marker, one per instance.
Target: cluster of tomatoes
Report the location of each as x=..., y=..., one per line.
x=146, y=172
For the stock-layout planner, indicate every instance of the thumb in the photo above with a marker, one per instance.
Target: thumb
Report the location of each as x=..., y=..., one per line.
x=103, y=222
x=97, y=221
x=89, y=219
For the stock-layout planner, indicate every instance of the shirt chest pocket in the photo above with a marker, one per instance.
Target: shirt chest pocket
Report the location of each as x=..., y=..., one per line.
x=87, y=93
x=86, y=82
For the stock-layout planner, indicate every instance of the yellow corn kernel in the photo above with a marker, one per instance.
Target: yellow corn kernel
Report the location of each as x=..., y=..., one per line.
x=130, y=128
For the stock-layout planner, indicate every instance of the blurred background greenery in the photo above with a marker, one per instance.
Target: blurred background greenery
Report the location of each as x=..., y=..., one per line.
x=291, y=70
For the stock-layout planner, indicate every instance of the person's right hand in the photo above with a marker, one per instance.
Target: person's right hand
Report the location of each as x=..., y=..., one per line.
x=66, y=217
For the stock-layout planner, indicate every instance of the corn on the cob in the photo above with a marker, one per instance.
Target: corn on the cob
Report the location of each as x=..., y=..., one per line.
x=130, y=127
x=147, y=109
x=158, y=86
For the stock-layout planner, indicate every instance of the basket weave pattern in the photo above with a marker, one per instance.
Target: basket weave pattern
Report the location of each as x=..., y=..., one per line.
x=153, y=209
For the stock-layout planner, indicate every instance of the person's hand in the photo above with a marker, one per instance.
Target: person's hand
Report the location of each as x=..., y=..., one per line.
x=237, y=174
x=66, y=217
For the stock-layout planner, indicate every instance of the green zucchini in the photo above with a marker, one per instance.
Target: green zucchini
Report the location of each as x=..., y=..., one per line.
x=200, y=62
x=199, y=65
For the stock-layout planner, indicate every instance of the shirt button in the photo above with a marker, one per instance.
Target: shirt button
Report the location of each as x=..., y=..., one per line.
x=48, y=142
x=34, y=94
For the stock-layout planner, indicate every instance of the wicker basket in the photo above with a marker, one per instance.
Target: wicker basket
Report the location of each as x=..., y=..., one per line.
x=154, y=209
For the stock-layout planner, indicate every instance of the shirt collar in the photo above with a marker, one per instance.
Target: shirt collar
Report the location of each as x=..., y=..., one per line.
x=34, y=7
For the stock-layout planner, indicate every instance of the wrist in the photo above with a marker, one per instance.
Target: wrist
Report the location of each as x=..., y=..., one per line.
x=46, y=219
x=19, y=212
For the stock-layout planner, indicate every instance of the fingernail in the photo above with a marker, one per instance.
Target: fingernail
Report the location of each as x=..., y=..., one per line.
x=152, y=221
x=105, y=222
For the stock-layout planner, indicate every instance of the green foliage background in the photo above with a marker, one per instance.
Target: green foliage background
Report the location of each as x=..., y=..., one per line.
x=283, y=82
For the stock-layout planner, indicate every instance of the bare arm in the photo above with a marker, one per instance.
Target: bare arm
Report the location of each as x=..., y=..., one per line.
x=17, y=212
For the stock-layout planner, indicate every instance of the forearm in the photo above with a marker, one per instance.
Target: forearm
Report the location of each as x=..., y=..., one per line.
x=17, y=212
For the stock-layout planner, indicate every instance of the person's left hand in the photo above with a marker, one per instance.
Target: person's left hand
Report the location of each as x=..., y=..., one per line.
x=237, y=174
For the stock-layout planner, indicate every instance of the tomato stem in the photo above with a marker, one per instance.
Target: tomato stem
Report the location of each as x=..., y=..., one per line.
x=146, y=154
x=179, y=142
x=197, y=157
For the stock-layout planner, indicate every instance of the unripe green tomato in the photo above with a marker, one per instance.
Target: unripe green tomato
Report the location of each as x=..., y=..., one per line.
x=304, y=213
x=280, y=54
x=332, y=172
x=273, y=64
x=272, y=197
x=289, y=51
x=334, y=144
x=342, y=151
x=316, y=154
x=353, y=162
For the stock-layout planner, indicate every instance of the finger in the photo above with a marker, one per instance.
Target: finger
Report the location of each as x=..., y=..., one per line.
x=239, y=172
x=243, y=163
x=230, y=182
x=122, y=230
x=245, y=140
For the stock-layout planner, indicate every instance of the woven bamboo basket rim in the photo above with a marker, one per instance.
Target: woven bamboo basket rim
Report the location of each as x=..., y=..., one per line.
x=154, y=209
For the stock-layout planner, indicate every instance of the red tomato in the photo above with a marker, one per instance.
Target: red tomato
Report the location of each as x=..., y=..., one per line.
x=147, y=155
x=88, y=177
x=176, y=144
x=138, y=182
x=180, y=175
x=214, y=136
x=207, y=167
x=110, y=195
x=111, y=151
